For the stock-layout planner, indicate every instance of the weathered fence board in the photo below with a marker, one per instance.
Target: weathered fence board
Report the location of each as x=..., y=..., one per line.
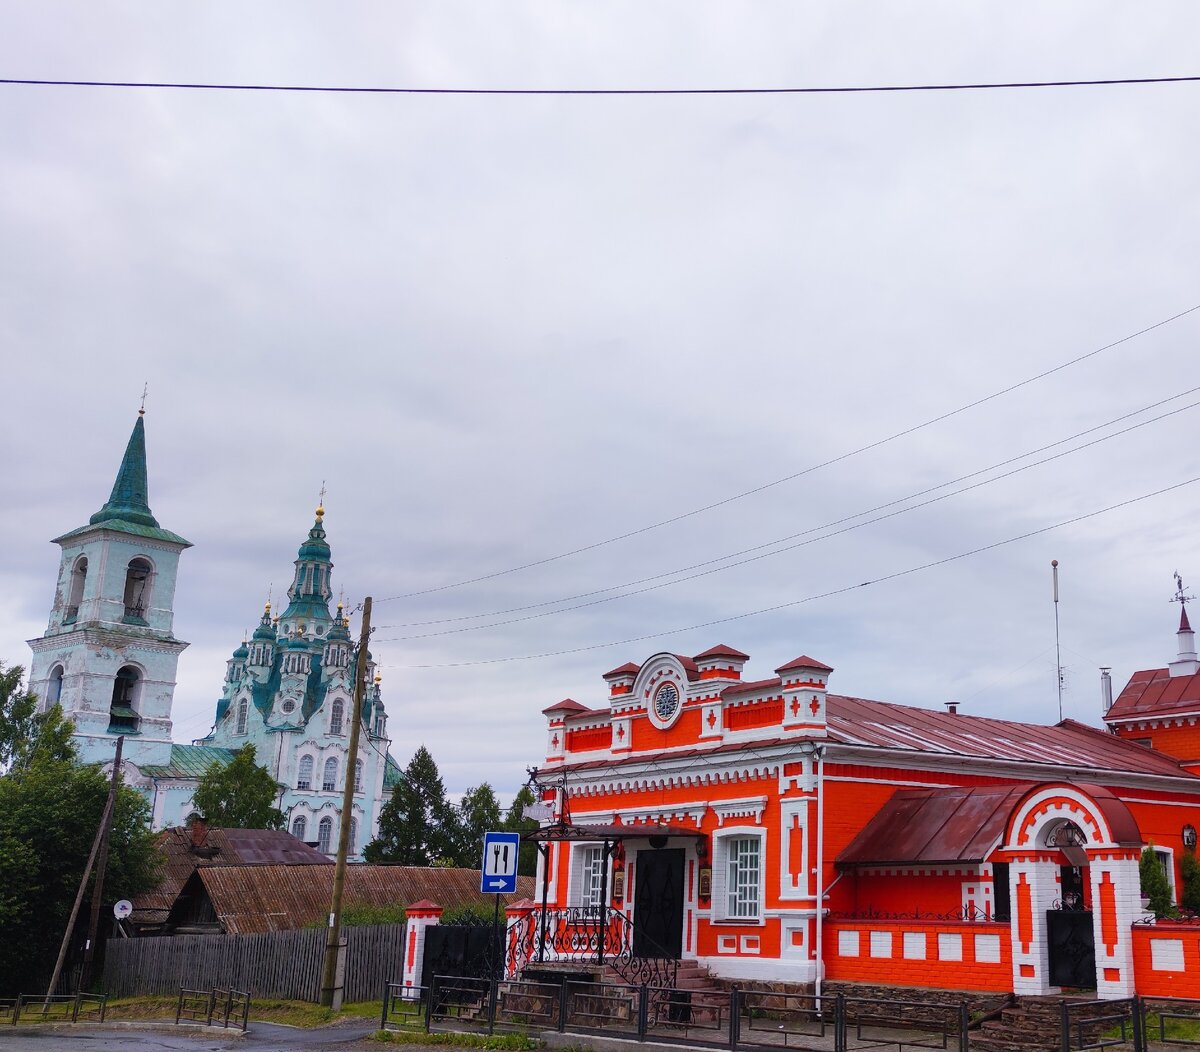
x=279, y=964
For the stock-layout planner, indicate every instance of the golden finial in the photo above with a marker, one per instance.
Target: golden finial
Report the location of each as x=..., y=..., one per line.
x=378, y=678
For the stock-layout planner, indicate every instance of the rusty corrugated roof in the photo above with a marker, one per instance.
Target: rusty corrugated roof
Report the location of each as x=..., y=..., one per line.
x=250, y=899
x=927, y=826
x=234, y=847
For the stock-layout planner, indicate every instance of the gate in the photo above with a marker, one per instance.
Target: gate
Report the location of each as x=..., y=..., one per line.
x=1072, y=948
x=464, y=951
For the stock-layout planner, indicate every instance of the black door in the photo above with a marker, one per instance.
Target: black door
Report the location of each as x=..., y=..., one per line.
x=658, y=903
x=1072, y=949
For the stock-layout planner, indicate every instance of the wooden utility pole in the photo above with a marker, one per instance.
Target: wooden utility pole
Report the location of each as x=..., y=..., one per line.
x=105, y=819
x=89, y=949
x=332, y=975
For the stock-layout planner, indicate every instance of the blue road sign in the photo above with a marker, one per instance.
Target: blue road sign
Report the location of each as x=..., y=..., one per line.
x=499, y=863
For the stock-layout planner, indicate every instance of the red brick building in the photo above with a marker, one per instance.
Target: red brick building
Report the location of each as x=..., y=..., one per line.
x=716, y=811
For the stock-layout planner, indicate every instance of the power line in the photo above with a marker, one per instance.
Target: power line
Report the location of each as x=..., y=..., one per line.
x=795, y=475
x=811, y=598
x=804, y=543
x=360, y=90
x=813, y=529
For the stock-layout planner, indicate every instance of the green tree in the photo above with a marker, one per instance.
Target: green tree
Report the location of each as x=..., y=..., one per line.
x=1189, y=873
x=23, y=729
x=240, y=794
x=477, y=813
x=50, y=808
x=416, y=825
x=516, y=822
x=1154, y=883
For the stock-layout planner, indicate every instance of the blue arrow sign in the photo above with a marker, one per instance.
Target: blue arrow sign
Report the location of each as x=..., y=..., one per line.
x=499, y=869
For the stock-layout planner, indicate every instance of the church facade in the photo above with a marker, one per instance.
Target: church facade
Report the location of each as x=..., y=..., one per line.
x=109, y=657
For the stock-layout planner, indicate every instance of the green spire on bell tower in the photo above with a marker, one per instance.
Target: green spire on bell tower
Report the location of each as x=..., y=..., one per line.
x=129, y=501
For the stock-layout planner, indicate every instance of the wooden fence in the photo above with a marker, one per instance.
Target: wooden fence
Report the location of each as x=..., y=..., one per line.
x=279, y=964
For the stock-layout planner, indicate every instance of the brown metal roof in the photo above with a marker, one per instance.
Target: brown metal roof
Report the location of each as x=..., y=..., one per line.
x=1155, y=692
x=961, y=824
x=274, y=898
x=219, y=847
x=722, y=650
x=926, y=826
x=1069, y=744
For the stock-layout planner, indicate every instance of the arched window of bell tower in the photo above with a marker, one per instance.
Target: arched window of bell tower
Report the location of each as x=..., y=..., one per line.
x=123, y=717
x=54, y=686
x=75, y=596
x=137, y=588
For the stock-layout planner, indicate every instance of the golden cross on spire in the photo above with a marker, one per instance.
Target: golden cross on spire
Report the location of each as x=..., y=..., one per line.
x=145, y=390
x=321, y=502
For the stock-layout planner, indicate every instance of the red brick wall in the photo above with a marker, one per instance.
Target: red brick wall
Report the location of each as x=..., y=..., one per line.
x=1184, y=939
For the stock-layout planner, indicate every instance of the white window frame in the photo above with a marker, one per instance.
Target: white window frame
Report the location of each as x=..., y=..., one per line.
x=587, y=875
x=737, y=896
x=243, y=715
x=301, y=822
x=329, y=785
x=303, y=784
x=1166, y=858
x=324, y=834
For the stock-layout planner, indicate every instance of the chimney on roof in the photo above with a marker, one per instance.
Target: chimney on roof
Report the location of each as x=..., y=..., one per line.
x=199, y=831
x=1105, y=690
x=952, y=707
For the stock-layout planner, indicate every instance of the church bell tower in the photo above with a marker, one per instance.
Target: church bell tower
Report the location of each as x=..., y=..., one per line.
x=109, y=654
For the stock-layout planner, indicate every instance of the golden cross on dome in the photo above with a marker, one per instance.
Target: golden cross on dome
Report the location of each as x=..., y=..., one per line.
x=145, y=390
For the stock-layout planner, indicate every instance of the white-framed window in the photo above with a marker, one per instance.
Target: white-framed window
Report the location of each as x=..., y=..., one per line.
x=358, y=769
x=587, y=884
x=1166, y=859
x=299, y=827
x=738, y=876
x=55, y=685
x=335, y=717
x=242, y=712
x=324, y=834
x=351, y=847
x=329, y=777
x=304, y=777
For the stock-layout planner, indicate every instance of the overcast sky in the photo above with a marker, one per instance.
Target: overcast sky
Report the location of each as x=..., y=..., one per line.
x=505, y=328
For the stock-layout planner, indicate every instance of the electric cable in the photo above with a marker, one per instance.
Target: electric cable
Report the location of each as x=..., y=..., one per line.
x=798, y=474
x=933, y=564
x=813, y=529
x=798, y=544
x=364, y=90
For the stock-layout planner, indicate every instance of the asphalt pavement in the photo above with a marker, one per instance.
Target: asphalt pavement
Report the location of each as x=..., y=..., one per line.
x=145, y=1037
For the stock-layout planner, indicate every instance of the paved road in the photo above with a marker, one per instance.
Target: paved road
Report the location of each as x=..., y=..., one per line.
x=262, y=1037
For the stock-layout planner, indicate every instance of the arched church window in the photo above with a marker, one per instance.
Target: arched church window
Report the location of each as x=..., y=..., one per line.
x=335, y=717
x=329, y=778
x=78, y=579
x=299, y=827
x=54, y=685
x=122, y=714
x=305, y=776
x=351, y=846
x=243, y=712
x=137, y=588
x=358, y=776
x=324, y=834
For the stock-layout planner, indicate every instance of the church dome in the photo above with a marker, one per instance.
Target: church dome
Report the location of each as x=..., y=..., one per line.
x=242, y=652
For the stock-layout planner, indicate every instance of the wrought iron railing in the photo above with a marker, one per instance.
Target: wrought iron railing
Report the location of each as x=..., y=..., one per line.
x=600, y=934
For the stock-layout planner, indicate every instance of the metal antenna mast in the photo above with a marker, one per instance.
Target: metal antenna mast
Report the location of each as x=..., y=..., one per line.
x=1057, y=645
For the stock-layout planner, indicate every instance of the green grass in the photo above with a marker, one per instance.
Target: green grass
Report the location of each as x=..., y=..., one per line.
x=262, y=1010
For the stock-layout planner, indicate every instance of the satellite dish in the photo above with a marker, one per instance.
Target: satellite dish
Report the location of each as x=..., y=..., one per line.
x=122, y=909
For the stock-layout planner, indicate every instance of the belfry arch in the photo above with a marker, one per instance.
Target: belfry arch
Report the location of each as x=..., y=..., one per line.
x=1073, y=853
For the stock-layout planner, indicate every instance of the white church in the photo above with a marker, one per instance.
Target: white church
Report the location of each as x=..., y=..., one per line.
x=109, y=656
